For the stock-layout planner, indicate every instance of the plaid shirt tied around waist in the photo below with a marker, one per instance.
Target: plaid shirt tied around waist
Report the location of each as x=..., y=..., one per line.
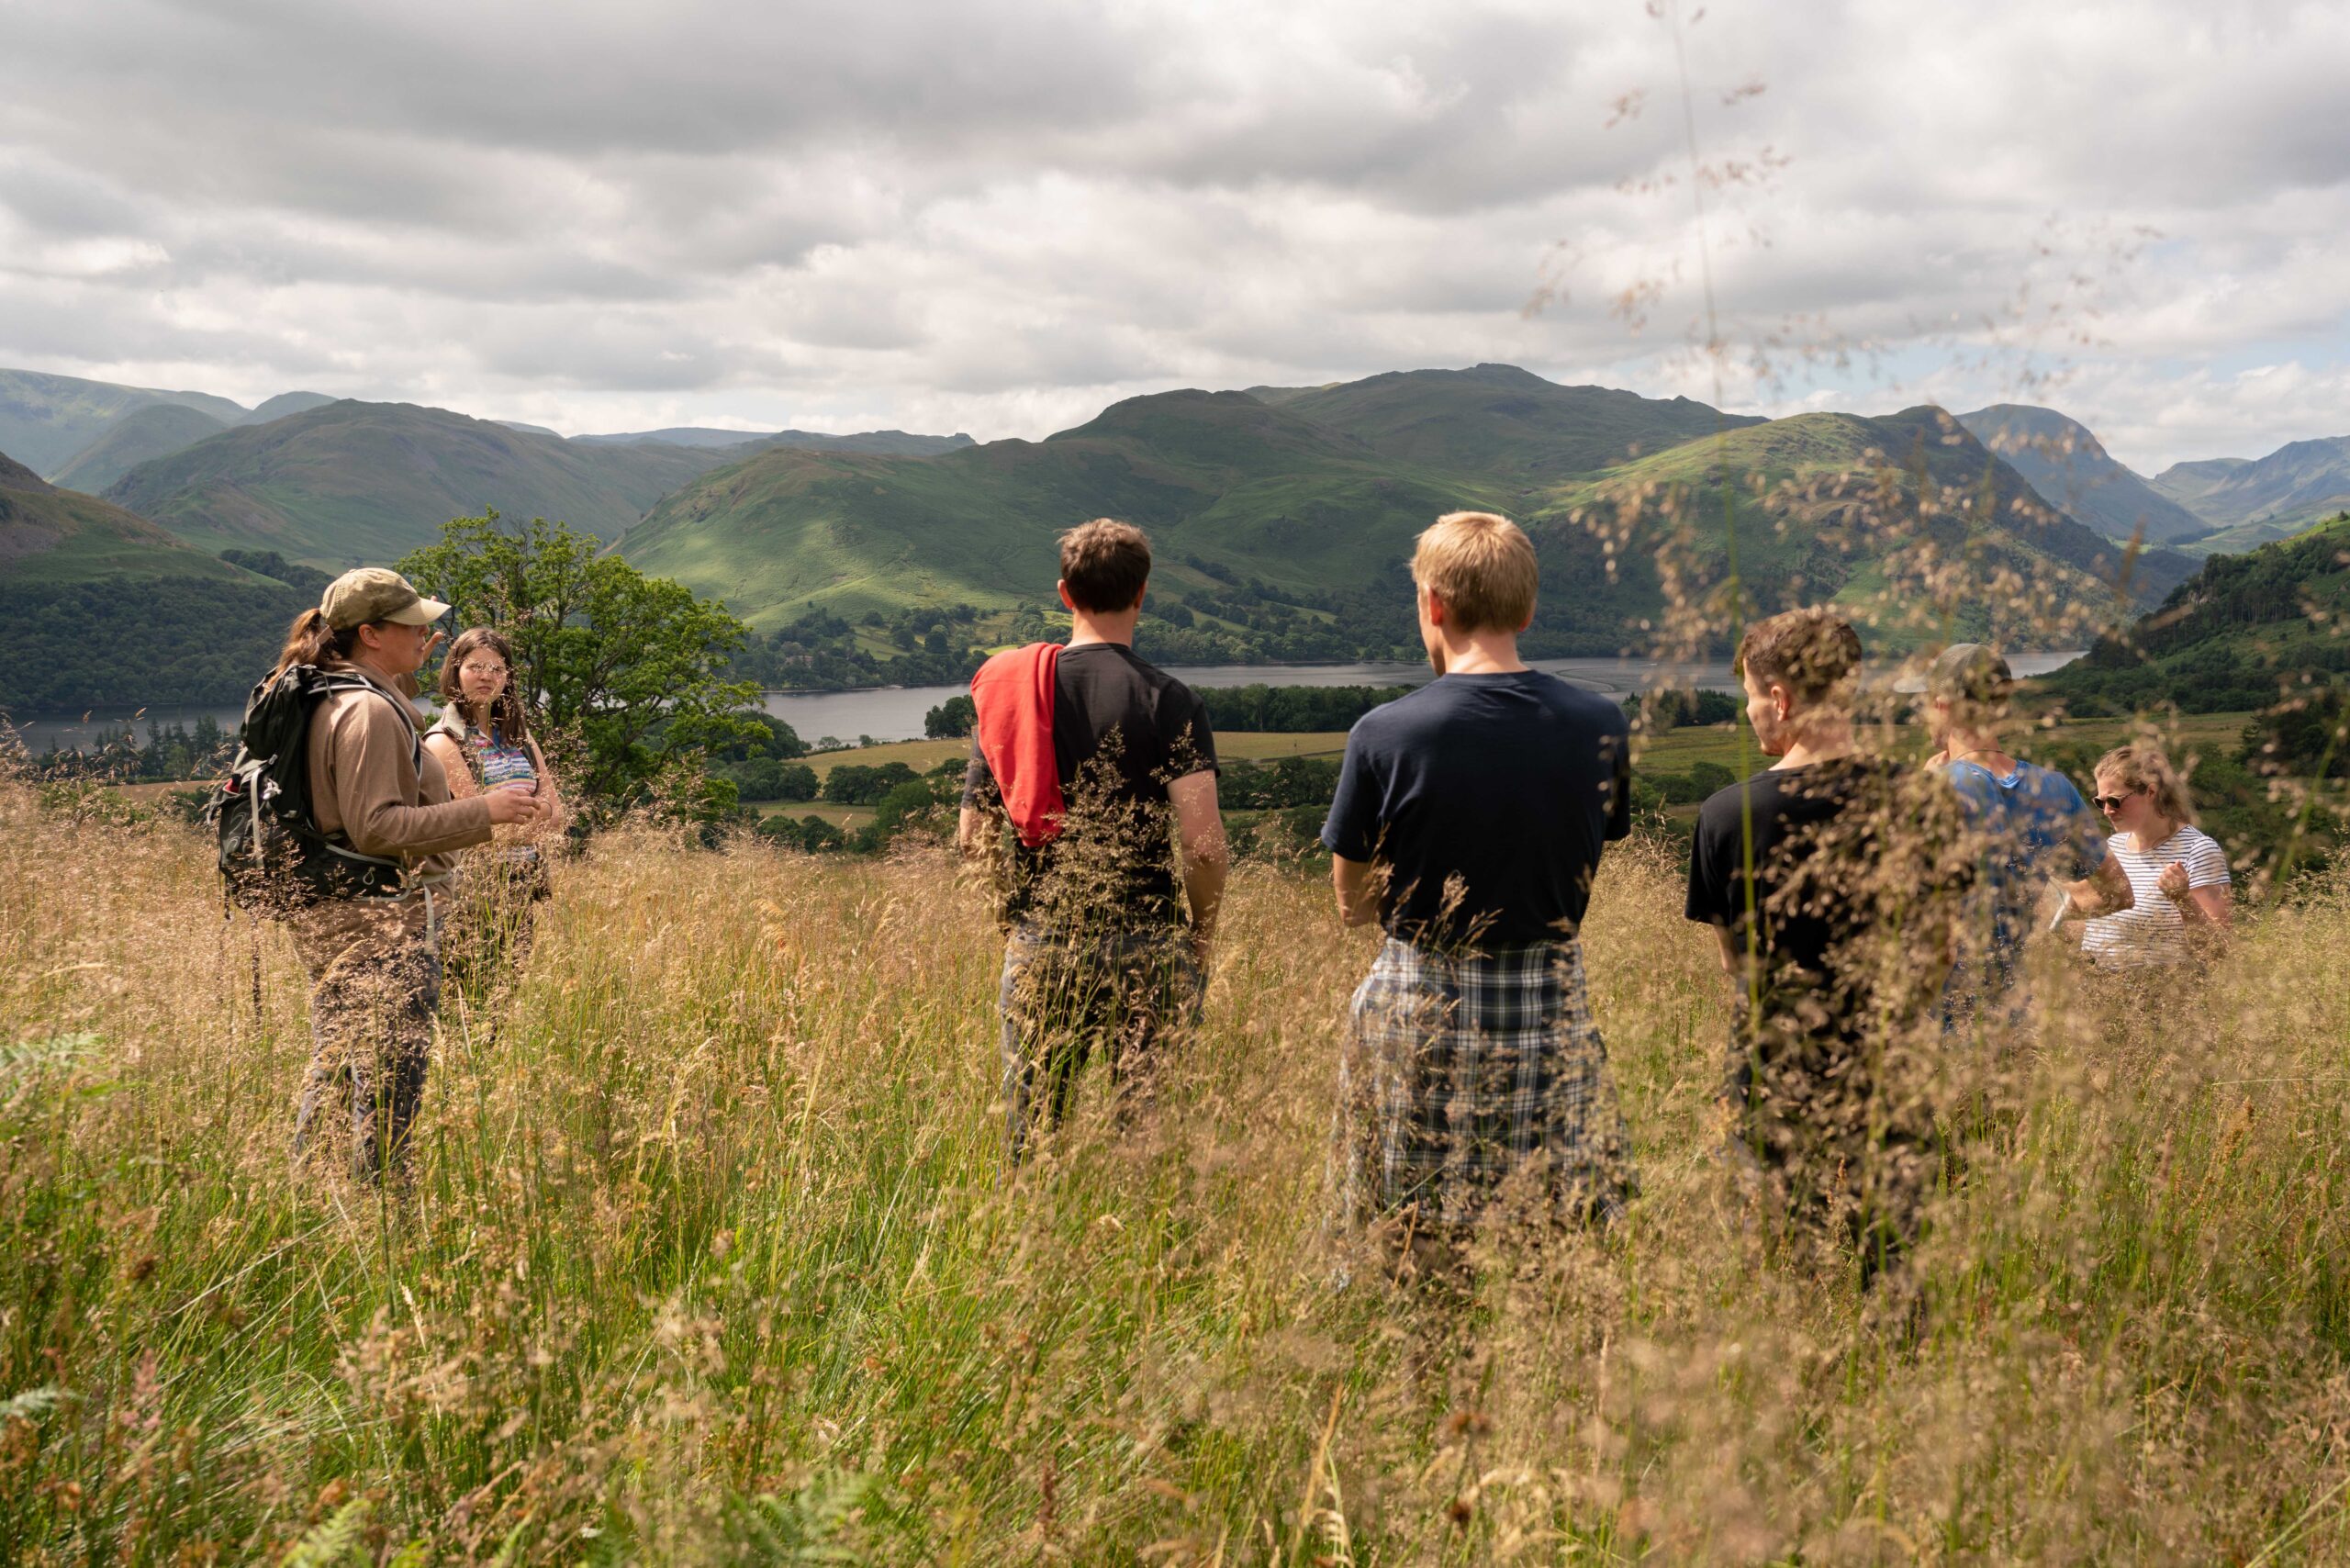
x=1460, y=1070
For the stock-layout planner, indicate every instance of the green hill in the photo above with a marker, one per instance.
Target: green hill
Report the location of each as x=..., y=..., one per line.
x=2072, y=471
x=45, y=420
x=886, y=443
x=1496, y=419
x=284, y=404
x=98, y=606
x=2275, y=496
x=1220, y=477
x=48, y=535
x=139, y=436
x=350, y=482
x=2188, y=482
x=1907, y=520
x=1282, y=535
x=2228, y=638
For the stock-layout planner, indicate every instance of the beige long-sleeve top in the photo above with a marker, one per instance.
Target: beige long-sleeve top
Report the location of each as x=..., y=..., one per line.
x=371, y=779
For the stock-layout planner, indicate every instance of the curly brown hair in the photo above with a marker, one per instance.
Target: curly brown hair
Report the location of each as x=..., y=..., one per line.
x=1105, y=565
x=1811, y=652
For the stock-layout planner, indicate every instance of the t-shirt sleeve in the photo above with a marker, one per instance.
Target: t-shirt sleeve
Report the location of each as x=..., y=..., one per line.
x=1191, y=747
x=2206, y=864
x=978, y=780
x=1351, y=830
x=1710, y=858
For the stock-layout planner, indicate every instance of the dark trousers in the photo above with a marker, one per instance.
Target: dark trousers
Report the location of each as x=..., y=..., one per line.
x=375, y=982
x=1838, y=1148
x=1067, y=995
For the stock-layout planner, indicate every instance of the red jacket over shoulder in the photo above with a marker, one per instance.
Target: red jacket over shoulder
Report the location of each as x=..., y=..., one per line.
x=1014, y=694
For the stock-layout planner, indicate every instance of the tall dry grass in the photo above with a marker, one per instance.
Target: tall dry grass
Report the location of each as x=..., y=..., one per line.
x=707, y=1256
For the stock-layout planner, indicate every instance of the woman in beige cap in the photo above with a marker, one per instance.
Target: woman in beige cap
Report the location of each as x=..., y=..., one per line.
x=374, y=961
x=484, y=744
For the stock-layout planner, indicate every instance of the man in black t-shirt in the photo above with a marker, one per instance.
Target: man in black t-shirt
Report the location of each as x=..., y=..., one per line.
x=1092, y=788
x=1832, y=883
x=1469, y=821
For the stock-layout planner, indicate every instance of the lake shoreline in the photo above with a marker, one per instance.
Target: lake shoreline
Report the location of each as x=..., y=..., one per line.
x=848, y=716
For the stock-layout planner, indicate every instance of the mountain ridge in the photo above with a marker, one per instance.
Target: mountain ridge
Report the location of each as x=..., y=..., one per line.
x=2063, y=461
x=2252, y=503
x=45, y=419
x=886, y=443
x=348, y=482
x=140, y=435
x=1314, y=520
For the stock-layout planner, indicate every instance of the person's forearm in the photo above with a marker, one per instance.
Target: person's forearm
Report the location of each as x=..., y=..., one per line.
x=1203, y=879
x=1350, y=884
x=2103, y=892
x=2194, y=914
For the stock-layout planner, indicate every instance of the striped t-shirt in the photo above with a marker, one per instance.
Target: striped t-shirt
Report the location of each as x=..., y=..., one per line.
x=2153, y=931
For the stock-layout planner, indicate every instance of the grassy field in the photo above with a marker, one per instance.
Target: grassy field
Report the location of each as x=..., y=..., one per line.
x=842, y=817
x=1672, y=751
x=707, y=1257
x=1675, y=751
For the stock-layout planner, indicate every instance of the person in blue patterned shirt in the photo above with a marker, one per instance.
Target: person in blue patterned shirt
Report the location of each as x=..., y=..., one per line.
x=2035, y=832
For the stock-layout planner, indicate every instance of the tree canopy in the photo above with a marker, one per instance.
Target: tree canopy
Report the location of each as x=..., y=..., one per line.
x=629, y=669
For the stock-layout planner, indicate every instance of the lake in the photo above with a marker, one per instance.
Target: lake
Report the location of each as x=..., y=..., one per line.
x=895, y=713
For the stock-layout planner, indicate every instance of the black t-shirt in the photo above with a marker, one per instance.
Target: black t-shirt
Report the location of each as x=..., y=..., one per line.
x=1121, y=732
x=1840, y=851
x=1487, y=798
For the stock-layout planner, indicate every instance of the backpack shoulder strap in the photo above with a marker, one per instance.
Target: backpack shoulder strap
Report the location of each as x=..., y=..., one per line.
x=334, y=683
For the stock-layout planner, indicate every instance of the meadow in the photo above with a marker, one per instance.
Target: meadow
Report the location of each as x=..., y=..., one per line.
x=707, y=1256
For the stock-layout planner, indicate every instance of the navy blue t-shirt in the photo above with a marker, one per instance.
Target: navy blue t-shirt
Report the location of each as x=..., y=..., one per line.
x=1487, y=798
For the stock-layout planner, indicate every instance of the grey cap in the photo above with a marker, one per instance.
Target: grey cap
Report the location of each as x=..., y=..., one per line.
x=1964, y=672
x=376, y=593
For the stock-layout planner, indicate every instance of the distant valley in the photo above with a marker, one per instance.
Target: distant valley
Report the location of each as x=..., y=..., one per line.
x=2209, y=507
x=1282, y=516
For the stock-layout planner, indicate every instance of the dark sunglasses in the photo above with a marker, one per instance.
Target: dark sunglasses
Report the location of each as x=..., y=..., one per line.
x=2112, y=803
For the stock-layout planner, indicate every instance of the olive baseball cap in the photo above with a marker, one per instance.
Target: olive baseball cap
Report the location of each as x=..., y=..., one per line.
x=1964, y=672
x=376, y=593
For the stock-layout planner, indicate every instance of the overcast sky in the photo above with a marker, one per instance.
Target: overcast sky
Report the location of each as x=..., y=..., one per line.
x=998, y=218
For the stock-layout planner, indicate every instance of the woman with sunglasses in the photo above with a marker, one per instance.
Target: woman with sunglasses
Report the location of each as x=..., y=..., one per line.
x=2178, y=872
x=483, y=739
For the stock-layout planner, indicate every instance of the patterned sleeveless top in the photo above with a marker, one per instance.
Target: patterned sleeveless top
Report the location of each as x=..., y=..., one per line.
x=497, y=763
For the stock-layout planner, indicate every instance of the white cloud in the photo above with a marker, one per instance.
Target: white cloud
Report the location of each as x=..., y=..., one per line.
x=842, y=215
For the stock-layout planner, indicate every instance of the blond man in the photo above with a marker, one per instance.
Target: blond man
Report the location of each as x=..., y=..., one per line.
x=1469, y=820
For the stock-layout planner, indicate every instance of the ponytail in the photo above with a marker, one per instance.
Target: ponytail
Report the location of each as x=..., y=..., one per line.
x=310, y=641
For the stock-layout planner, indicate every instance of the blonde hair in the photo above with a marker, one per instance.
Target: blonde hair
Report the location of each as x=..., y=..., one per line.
x=2145, y=768
x=1482, y=566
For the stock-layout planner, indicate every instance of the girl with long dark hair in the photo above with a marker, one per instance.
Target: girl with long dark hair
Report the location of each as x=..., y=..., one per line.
x=483, y=741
